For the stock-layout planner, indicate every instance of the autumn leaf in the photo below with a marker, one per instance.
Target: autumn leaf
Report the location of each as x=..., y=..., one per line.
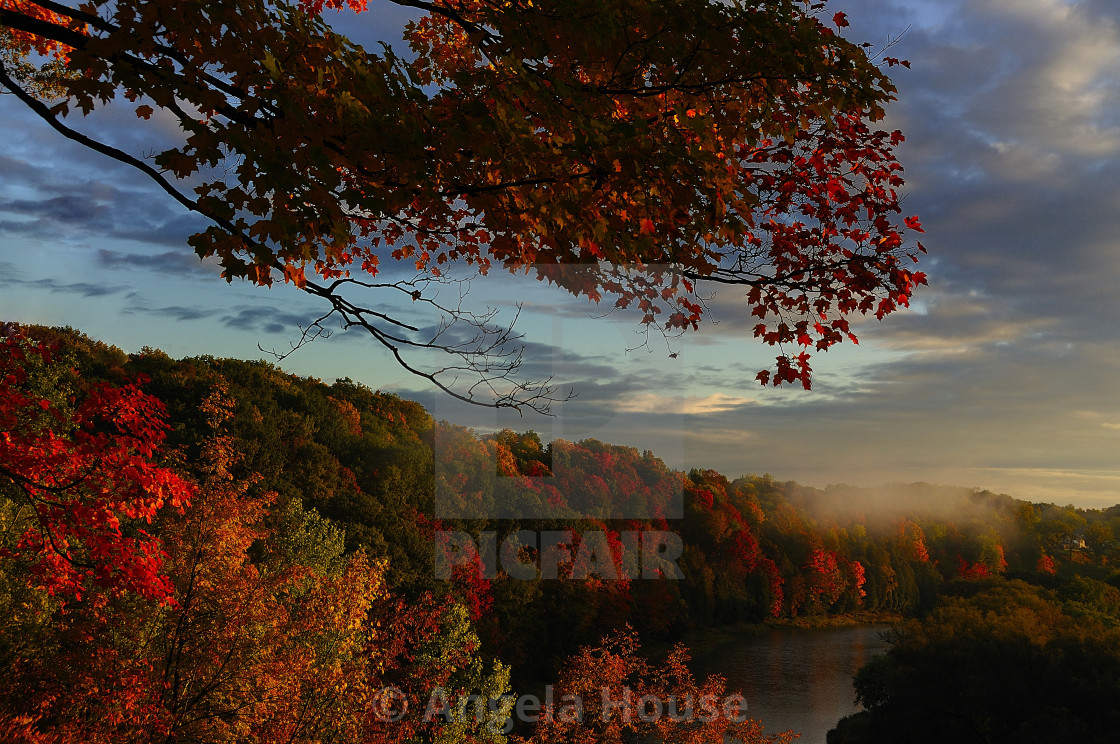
x=526, y=138
x=86, y=472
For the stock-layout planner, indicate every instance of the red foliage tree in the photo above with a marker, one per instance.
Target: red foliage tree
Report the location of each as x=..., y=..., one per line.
x=913, y=541
x=977, y=570
x=87, y=471
x=824, y=578
x=859, y=578
x=264, y=630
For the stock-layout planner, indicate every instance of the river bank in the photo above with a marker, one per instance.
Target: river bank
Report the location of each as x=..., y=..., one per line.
x=702, y=640
x=794, y=676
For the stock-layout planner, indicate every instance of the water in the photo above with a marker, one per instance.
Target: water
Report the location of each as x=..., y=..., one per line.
x=796, y=678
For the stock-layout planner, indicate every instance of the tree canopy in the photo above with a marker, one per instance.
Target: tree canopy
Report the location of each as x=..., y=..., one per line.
x=634, y=152
x=214, y=550
x=996, y=660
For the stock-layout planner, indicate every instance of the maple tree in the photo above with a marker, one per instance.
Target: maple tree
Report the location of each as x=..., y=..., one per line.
x=82, y=470
x=824, y=580
x=635, y=152
x=913, y=540
x=266, y=629
x=623, y=697
x=279, y=627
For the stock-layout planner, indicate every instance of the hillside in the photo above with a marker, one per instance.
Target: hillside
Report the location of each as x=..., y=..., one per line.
x=341, y=499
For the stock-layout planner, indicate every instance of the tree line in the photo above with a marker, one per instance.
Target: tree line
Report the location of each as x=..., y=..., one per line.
x=250, y=530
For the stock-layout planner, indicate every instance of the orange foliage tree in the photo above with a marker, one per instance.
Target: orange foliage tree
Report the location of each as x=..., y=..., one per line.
x=619, y=697
x=239, y=620
x=639, y=152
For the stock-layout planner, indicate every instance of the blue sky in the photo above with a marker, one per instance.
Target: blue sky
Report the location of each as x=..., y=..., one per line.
x=1004, y=375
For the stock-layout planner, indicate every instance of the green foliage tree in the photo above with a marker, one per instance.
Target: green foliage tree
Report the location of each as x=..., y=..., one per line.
x=323, y=471
x=996, y=660
x=264, y=628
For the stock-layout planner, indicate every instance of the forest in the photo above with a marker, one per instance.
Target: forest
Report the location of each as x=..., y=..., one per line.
x=215, y=550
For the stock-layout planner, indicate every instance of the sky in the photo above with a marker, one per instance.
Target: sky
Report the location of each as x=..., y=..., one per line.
x=1004, y=374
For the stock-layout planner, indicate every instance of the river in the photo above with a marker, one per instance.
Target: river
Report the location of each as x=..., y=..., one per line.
x=796, y=678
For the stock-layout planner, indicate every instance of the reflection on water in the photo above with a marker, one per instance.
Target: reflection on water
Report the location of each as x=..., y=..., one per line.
x=796, y=678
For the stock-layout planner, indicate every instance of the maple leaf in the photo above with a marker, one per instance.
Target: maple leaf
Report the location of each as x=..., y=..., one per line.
x=512, y=136
x=85, y=470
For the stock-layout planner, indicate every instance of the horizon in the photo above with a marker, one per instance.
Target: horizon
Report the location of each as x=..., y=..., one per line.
x=1001, y=377
x=732, y=475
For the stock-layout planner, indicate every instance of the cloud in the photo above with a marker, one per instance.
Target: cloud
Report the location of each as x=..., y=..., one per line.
x=84, y=208
x=265, y=319
x=175, y=312
x=959, y=322
x=70, y=203
x=1012, y=116
x=84, y=289
x=179, y=263
x=10, y=273
x=20, y=172
x=687, y=405
x=1032, y=72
